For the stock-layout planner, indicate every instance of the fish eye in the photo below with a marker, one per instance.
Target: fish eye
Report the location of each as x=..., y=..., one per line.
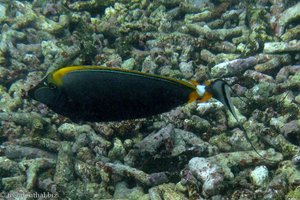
x=51, y=86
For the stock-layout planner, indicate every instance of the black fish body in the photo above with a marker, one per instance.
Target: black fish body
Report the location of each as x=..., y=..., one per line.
x=110, y=94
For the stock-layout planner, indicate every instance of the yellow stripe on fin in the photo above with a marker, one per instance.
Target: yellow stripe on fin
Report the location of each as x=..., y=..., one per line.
x=56, y=76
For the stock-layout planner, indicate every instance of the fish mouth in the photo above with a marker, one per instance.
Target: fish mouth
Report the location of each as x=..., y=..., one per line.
x=32, y=90
x=30, y=93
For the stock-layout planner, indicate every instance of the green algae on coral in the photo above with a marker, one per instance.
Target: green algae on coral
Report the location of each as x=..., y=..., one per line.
x=191, y=39
x=166, y=191
x=294, y=194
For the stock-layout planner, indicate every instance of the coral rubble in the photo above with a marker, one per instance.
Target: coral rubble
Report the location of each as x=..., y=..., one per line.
x=196, y=151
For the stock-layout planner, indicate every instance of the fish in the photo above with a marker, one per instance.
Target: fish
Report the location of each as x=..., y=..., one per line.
x=100, y=94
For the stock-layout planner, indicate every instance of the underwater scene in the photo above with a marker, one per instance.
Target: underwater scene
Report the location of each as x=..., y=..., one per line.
x=150, y=99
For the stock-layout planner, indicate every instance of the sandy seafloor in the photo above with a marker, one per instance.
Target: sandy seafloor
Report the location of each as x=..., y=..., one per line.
x=195, y=151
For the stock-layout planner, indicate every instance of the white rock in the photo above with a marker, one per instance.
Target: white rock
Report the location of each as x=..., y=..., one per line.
x=259, y=176
x=207, y=107
x=2, y=11
x=210, y=174
x=187, y=69
x=128, y=64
